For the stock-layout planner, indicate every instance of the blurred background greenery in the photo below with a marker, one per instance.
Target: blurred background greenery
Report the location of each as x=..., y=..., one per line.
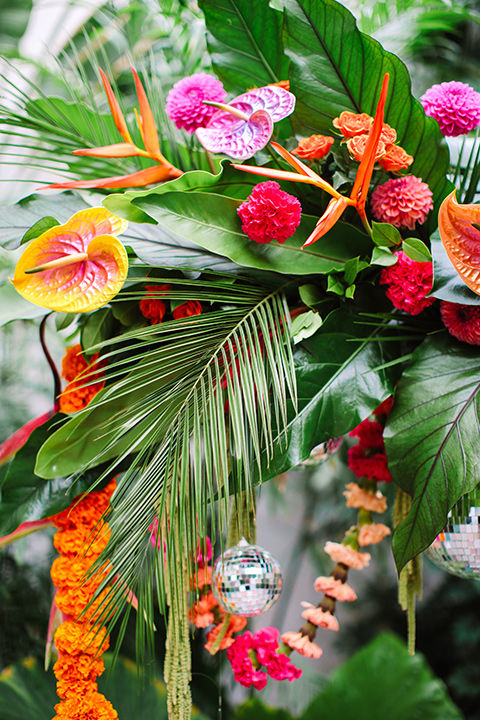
x=437, y=40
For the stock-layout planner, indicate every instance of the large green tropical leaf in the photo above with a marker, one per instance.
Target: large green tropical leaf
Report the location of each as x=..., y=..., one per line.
x=447, y=283
x=245, y=42
x=432, y=438
x=334, y=67
x=212, y=222
x=383, y=681
x=26, y=496
x=338, y=386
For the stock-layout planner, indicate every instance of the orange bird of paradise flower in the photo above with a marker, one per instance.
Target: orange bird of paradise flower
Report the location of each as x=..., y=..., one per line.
x=161, y=172
x=338, y=203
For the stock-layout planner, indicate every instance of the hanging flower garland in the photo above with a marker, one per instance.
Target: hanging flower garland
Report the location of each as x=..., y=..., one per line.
x=80, y=538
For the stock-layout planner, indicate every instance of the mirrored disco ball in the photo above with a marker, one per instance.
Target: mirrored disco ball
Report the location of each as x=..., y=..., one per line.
x=246, y=580
x=457, y=548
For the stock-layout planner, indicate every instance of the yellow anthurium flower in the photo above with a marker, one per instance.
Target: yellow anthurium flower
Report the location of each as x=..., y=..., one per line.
x=76, y=267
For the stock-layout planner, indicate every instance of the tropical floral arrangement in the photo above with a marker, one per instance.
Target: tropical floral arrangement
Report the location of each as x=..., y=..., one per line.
x=298, y=267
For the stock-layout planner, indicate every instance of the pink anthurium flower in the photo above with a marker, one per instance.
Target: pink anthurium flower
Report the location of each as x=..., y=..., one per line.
x=245, y=125
x=75, y=267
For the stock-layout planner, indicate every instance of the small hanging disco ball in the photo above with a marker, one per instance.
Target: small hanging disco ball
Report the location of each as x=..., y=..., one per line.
x=457, y=548
x=246, y=580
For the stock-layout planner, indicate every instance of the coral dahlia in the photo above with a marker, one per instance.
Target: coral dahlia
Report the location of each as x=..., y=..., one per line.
x=402, y=202
x=185, y=101
x=269, y=213
x=454, y=105
x=462, y=321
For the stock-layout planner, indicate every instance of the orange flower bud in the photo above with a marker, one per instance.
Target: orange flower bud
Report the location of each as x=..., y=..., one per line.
x=351, y=124
x=314, y=147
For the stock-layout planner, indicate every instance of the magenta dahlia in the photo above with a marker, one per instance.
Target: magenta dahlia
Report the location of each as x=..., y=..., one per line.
x=402, y=202
x=462, y=321
x=269, y=213
x=185, y=106
x=454, y=105
x=409, y=283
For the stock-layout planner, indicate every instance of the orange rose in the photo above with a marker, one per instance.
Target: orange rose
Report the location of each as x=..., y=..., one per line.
x=187, y=309
x=285, y=84
x=351, y=124
x=396, y=159
x=356, y=147
x=388, y=135
x=314, y=147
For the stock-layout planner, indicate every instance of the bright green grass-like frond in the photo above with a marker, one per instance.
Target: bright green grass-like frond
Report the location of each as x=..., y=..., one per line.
x=212, y=393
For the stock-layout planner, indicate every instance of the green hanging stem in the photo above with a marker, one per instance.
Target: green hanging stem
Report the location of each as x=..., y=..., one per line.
x=243, y=521
x=410, y=580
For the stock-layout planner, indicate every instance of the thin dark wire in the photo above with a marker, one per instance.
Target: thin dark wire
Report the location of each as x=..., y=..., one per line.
x=57, y=385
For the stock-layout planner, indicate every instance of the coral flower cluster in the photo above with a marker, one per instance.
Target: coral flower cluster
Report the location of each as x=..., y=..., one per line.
x=84, y=380
x=348, y=555
x=409, y=282
x=81, y=536
x=402, y=202
x=269, y=213
x=355, y=128
x=154, y=309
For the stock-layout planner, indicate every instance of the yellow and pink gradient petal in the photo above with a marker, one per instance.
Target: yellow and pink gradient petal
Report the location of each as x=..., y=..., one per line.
x=76, y=267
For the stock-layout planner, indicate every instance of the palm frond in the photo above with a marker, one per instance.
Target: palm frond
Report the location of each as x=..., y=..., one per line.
x=188, y=451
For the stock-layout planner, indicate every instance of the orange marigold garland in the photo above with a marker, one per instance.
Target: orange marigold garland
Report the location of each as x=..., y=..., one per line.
x=80, y=538
x=83, y=385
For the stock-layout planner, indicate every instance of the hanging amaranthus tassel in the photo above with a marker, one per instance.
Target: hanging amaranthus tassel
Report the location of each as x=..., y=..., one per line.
x=410, y=580
x=81, y=537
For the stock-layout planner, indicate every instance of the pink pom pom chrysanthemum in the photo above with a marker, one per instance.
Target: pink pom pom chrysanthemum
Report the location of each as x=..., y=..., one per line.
x=409, y=282
x=462, y=321
x=402, y=202
x=454, y=105
x=269, y=213
x=185, y=101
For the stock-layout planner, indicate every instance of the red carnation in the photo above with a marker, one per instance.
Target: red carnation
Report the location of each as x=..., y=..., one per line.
x=187, y=309
x=410, y=281
x=462, y=321
x=374, y=467
x=369, y=433
x=151, y=307
x=269, y=213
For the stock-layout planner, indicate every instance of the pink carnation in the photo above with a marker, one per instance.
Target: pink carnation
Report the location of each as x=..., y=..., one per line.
x=269, y=213
x=335, y=588
x=409, y=283
x=402, y=202
x=372, y=534
x=263, y=645
x=357, y=497
x=241, y=663
x=185, y=106
x=346, y=555
x=462, y=321
x=369, y=433
x=454, y=105
x=374, y=467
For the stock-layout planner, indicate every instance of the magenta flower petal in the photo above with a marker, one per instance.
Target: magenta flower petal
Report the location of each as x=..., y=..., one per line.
x=239, y=139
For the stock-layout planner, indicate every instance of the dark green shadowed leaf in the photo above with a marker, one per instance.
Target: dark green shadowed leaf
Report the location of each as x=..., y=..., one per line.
x=245, y=43
x=432, y=438
x=447, y=283
x=26, y=496
x=337, y=387
x=334, y=67
x=40, y=227
x=190, y=216
x=383, y=681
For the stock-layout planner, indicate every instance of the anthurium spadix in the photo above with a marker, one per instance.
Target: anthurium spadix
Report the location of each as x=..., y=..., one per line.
x=245, y=125
x=75, y=267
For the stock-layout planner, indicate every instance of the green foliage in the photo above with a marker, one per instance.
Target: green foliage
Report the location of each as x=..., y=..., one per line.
x=212, y=221
x=334, y=67
x=383, y=680
x=245, y=43
x=13, y=23
x=431, y=438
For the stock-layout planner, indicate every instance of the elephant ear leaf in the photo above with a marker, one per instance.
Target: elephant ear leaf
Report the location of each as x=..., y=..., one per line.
x=432, y=438
x=335, y=67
